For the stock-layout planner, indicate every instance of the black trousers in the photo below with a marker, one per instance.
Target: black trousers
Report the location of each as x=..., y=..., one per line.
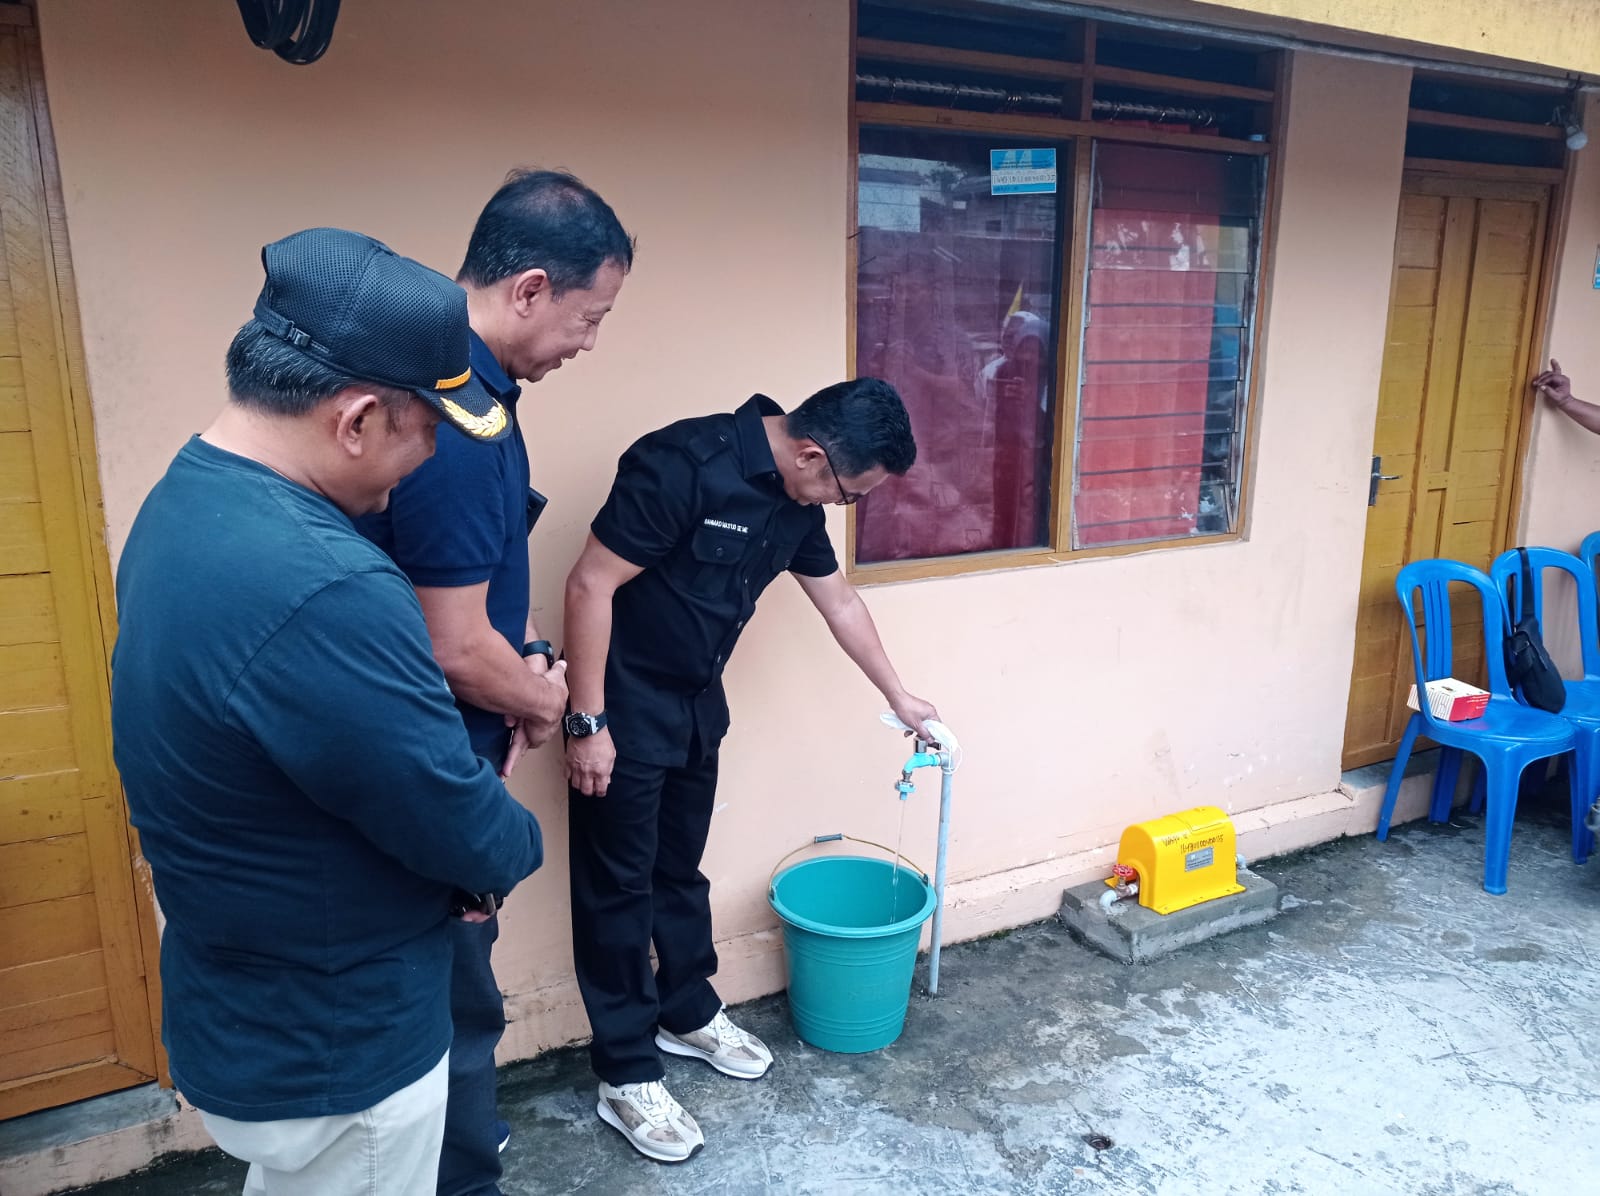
x=469, y=1158
x=636, y=880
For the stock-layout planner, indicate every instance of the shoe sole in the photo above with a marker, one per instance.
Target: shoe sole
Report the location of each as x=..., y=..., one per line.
x=615, y=1122
x=689, y=1052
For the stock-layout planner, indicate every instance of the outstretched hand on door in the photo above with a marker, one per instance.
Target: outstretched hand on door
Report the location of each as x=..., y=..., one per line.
x=1554, y=385
x=1557, y=387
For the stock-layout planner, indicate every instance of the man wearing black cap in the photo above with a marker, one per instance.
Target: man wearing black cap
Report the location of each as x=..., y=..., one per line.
x=544, y=264
x=305, y=855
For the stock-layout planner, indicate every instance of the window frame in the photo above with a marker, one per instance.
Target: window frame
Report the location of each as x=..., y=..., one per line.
x=1077, y=138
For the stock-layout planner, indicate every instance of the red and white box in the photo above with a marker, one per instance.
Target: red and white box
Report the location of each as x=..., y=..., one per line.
x=1451, y=700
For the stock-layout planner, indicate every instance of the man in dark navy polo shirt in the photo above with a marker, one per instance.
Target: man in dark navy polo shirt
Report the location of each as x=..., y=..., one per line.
x=703, y=515
x=544, y=265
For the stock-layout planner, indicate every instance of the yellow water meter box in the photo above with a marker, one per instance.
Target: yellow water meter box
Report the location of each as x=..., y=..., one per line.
x=1182, y=859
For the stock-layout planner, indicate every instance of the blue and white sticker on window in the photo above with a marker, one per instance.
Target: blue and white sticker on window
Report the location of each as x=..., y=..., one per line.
x=1022, y=172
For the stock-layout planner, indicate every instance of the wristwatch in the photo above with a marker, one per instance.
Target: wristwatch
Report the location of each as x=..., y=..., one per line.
x=581, y=726
x=539, y=648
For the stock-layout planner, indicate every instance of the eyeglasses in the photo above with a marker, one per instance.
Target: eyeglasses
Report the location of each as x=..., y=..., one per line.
x=846, y=499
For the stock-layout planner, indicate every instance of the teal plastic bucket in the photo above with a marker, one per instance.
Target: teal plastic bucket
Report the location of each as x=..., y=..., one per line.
x=850, y=937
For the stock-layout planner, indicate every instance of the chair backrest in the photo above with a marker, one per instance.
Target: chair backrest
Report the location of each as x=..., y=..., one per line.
x=1506, y=573
x=1433, y=578
x=1588, y=553
x=1589, y=550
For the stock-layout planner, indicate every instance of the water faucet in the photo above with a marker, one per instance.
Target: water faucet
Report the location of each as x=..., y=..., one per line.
x=922, y=758
x=945, y=755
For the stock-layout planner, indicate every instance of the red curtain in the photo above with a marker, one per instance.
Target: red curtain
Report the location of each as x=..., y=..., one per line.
x=955, y=299
x=1152, y=303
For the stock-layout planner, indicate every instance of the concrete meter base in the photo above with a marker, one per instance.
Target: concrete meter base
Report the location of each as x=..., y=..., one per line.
x=1133, y=934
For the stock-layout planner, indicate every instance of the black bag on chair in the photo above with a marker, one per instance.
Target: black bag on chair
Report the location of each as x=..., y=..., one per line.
x=1529, y=669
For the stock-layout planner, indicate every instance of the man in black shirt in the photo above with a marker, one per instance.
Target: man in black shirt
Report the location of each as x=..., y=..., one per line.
x=703, y=515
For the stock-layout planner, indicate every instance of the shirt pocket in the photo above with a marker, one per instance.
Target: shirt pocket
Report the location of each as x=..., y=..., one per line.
x=784, y=548
x=717, y=554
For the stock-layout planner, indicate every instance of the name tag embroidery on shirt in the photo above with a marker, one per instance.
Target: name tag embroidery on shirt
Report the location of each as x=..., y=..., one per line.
x=728, y=527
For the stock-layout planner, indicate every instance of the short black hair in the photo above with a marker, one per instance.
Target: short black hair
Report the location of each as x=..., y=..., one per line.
x=272, y=376
x=545, y=220
x=861, y=424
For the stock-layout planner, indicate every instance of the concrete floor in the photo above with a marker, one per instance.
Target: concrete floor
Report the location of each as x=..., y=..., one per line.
x=1395, y=1031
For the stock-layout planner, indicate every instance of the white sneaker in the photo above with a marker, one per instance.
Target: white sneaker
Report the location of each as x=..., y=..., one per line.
x=732, y=1051
x=653, y=1123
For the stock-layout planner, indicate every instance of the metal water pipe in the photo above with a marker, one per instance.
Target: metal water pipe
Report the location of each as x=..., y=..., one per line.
x=933, y=753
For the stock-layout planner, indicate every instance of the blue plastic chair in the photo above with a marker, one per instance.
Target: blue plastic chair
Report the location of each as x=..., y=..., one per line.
x=1589, y=550
x=1588, y=553
x=1506, y=739
x=1582, y=708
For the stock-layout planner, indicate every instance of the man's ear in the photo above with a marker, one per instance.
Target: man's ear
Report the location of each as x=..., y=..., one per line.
x=528, y=288
x=808, y=452
x=356, y=413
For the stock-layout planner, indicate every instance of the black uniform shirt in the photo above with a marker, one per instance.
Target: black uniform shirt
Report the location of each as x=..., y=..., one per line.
x=700, y=506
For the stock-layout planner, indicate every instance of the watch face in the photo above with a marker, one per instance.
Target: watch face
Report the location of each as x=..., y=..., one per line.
x=580, y=726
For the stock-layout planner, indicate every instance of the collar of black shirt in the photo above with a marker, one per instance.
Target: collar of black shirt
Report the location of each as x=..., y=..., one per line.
x=755, y=451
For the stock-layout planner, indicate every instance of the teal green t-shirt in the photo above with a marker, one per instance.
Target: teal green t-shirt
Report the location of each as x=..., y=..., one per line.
x=304, y=790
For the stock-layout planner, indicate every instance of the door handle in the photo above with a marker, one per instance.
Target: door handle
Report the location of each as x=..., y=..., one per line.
x=1379, y=476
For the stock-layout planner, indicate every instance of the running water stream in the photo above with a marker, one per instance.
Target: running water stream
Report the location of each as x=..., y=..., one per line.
x=894, y=877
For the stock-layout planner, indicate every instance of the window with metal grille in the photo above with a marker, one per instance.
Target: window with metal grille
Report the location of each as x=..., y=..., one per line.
x=1163, y=385
x=1075, y=356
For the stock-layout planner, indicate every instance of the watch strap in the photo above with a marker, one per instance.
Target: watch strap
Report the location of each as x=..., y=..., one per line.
x=598, y=721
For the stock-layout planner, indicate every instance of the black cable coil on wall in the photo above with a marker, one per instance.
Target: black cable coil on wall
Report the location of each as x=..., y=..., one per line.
x=297, y=31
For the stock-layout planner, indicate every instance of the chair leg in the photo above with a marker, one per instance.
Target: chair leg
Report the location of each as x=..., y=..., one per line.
x=1583, y=785
x=1397, y=774
x=1479, y=785
x=1504, y=774
x=1444, y=784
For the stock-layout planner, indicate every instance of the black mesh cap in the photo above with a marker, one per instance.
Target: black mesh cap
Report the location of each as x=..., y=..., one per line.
x=358, y=307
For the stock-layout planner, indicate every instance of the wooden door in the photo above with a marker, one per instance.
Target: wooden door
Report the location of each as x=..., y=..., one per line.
x=1468, y=257
x=75, y=1013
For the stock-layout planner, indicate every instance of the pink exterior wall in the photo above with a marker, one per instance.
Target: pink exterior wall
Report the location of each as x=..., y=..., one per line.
x=1088, y=695
x=721, y=141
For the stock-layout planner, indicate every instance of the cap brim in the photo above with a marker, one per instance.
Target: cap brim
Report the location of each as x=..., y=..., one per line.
x=471, y=409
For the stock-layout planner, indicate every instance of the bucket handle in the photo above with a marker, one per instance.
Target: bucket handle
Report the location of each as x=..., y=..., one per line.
x=834, y=838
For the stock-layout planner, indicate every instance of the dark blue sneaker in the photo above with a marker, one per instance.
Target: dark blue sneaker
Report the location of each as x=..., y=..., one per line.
x=502, y=1135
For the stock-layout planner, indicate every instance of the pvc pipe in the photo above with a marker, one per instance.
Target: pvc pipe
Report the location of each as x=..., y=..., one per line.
x=948, y=769
x=1111, y=896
